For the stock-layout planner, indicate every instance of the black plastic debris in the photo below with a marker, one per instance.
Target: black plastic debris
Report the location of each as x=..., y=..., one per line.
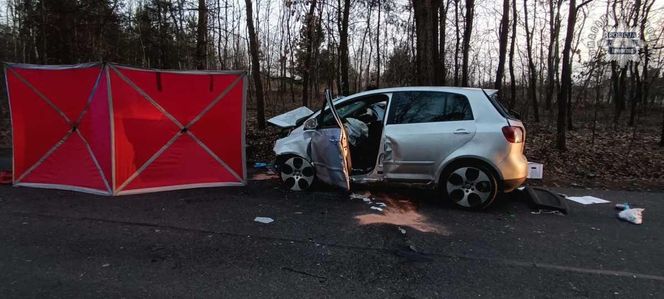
x=545, y=200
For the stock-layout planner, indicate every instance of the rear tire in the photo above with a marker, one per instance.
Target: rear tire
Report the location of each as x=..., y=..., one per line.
x=469, y=185
x=297, y=173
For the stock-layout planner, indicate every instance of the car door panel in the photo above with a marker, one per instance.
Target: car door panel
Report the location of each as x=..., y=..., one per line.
x=330, y=151
x=327, y=157
x=413, y=150
x=415, y=143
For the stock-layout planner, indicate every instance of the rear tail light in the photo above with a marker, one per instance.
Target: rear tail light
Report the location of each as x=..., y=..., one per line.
x=513, y=134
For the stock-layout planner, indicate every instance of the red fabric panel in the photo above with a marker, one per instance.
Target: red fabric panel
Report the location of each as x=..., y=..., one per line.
x=140, y=129
x=70, y=164
x=68, y=89
x=182, y=95
x=95, y=127
x=184, y=162
x=123, y=131
x=36, y=126
x=221, y=128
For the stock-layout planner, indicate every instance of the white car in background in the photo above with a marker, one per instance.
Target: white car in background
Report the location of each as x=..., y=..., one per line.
x=461, y=141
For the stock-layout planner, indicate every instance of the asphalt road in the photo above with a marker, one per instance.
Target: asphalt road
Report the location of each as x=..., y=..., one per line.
x=205, y=243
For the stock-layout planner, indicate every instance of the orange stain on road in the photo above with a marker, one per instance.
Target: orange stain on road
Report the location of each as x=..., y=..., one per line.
x=401, y=212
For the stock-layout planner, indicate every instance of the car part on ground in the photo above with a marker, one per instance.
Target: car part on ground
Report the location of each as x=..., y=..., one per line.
x=545, y=200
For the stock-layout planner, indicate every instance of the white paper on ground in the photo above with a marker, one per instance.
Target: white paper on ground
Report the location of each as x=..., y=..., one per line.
x=263, y=219
x=377, y=208
x=586, y=200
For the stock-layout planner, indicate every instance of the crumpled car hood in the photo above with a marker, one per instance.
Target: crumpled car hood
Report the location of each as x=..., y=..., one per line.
x=290, y=118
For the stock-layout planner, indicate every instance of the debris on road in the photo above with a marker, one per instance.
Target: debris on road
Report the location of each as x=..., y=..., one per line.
x=545, y=201
x=622, y=206
x=542, y=211
x=535, y=170
x=377, y=208
x=586, y=200
x=403, y=231
x=260, y=165
x=365, y=196
x=264, y=220
x=633, y=215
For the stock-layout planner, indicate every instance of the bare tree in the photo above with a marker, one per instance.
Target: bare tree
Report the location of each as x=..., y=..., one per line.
x=378, y=47
x=201, y=36
x=255, y=67
x=502, y=48
x=467, y=31
x=443, y=39
x=457, y=43
x=532, y=72
x=426, y=23
x=566, y=76
x=306, y=76
x=512, y=101
x=343, y=46
x=552, y=60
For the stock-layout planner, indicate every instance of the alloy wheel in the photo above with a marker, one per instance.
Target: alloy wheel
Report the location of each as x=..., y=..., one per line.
x=297, y=173
x=470, y=187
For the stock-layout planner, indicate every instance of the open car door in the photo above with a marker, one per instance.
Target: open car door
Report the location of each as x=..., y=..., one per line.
x=330, y=152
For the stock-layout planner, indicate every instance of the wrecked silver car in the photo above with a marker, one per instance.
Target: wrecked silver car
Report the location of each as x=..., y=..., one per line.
x=459, y=140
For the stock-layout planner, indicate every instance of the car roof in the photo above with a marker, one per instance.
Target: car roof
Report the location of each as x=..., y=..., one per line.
x=462, y=90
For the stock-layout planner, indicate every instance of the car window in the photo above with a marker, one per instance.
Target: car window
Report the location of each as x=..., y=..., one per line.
x=428, y=106
x=499, y=106
x=354, y=109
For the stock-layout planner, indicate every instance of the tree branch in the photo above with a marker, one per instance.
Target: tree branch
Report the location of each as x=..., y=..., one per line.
x=583, y=4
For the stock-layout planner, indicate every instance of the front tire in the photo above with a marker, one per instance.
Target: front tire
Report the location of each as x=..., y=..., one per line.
x=470, y=185
x=297, y=173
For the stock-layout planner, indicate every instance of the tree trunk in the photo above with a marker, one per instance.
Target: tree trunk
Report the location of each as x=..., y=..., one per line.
x=306, y=77
x=502, y=48
x=201, y=36
x=255, y=67
x=457, y=43
x=636, y=95
x=358, y=84
x=575, y=48
x=512, y=101
x=426, y=23
x=618, y=74
x=532, y=85
x=566, y=78
x=661, y=138
x=442, y=39
x=467, y=31
x=378, y=46
x=343, y=48
x=552, y=66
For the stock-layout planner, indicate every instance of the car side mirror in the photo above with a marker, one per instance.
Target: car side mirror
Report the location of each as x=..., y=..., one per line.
x=311, y=124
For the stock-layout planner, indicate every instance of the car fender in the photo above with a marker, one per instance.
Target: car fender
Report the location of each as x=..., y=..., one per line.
x=295, y=144
x=455, y=157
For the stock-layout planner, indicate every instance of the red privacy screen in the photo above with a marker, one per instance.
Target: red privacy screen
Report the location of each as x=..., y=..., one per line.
x=111, y=129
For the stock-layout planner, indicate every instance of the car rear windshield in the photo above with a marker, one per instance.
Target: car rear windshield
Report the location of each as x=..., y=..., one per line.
x=493, y=98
